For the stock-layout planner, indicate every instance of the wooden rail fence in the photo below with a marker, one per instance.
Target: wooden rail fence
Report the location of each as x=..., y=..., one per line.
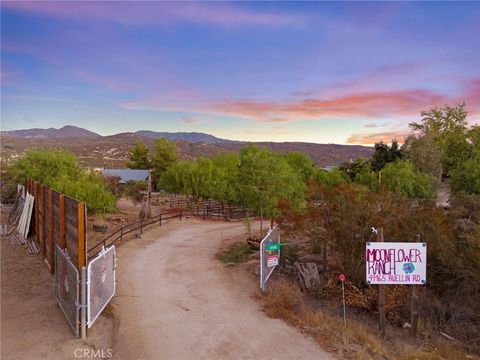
x=140, y=225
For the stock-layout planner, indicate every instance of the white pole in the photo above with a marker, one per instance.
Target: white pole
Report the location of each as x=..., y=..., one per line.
x=344, y=311
x=83, y=309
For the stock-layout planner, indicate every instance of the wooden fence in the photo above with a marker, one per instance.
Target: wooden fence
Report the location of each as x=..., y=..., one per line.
x=139, y=226
x=209, y=208
x=58, y=219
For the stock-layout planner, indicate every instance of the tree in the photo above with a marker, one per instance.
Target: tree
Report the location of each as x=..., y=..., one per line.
x=466, y=175
x=60, y=170
x=264, y=179
x=402, y=178
x=352, y=168
x=448, y=127
x=164, y=156
x=333, y=177
x=301, y=164
x=385, y=154
x=139, y=156
x=224, y=177
x=425, y=154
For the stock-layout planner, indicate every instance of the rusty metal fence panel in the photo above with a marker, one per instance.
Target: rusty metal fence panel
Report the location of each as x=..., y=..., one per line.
x=71, y=227
x=67, y=288
x=56, y=216
x=47, y=230
x=100, y=283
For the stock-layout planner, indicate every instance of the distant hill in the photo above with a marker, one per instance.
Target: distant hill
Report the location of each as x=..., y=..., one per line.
x=95, y=150
x=67, y=131
x=185, y=136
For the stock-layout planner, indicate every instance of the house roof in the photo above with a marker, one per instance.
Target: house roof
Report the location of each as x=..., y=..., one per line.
x=127, y=174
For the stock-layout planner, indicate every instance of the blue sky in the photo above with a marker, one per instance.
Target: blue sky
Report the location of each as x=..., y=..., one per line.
x=326, y=72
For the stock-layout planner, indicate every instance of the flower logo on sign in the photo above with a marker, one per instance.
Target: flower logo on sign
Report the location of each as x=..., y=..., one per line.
x=408, y=268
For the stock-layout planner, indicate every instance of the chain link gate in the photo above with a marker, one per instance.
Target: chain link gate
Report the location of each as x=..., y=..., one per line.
x=100, y=283
x=67, y=286
x=269, y=255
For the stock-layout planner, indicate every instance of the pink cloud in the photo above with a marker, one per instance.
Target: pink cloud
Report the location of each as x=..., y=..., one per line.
x=370, y=139
x=370, y=104
x=194, y=121
x=361, y=104
x=159, y=13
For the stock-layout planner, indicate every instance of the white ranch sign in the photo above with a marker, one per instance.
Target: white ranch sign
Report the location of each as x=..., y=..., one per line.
x=396, y=263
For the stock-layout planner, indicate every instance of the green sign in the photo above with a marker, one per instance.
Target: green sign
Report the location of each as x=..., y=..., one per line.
x=273, y=247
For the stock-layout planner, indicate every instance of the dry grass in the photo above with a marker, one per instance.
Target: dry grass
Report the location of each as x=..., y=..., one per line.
x=109, y=311
x=444, y=351
x=284, y=300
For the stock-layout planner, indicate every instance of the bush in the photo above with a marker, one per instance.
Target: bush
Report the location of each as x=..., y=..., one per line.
x=60, y=170
x=402, y=178
x=237, y=254
x=334, y=177
x=289, y=255
x=466, y=175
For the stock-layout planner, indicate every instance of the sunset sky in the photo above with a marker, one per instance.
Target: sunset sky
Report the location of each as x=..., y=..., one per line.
x=329, y=72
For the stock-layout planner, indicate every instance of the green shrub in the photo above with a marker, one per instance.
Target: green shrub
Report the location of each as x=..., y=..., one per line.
x=59, y=170
x=237, y=254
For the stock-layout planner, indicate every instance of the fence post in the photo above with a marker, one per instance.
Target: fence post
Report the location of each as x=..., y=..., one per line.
x=63, y=237
x=36, y=204
x=51, y=245
x=160, y=220
x=381, y=294
x=81, y=235
x=83, y=307
x=141, y=226
x=181, y=211
x=42, y=233
x=414, y=305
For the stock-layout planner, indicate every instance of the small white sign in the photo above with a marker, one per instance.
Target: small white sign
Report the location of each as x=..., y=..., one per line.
x=272, y=260
x=396, y=263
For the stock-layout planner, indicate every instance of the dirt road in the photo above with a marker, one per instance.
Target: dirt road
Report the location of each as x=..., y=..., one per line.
x=33, y=327
x=176, y=301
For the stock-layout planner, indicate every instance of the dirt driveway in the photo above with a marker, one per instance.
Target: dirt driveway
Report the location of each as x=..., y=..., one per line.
x=33, y=326
x=175, y=300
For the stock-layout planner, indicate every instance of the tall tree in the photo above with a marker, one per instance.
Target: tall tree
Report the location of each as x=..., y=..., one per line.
x=164, y=155
x=385, y=154
x=139, y=156
x=301, y=164
x=466, y=175
x=402, y=178
x=448, y=127
x=425, y=154
x=60, y=170
x=352, y=168
x=264, y=179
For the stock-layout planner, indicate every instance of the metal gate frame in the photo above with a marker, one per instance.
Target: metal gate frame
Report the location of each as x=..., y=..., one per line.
x=273, y=235
x=104, y=253
x=66, y=306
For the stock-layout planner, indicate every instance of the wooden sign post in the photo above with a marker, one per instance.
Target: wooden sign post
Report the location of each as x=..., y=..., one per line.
x=414, y=305
x=381, y=295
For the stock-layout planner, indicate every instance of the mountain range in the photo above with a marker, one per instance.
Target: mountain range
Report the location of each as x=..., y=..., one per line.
x=95, y=150
x=70, y=131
